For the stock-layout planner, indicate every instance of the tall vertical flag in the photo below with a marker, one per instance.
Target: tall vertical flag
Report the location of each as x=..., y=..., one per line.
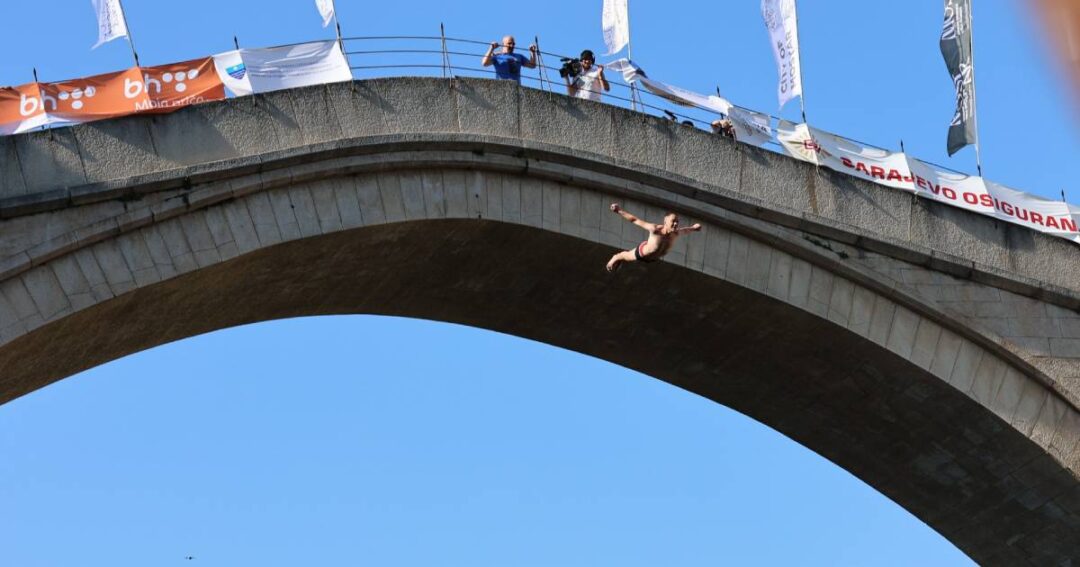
x=111, y=22
x=956, y=49
x=616, y=24
x=782, y=23
x=326, y=10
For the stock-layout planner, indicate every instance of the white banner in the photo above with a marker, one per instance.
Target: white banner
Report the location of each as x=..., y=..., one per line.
x=949, y=187
x=1054, y=217
x=682, y=97
x=110, y=17
x=751, y=127
x=865, y=162
x=616, y=25
x=797, y=141
x=781, y=21
x=326, y=10
x=248, y=71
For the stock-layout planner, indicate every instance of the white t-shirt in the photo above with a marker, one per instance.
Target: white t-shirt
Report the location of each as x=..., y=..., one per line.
x=588, y=84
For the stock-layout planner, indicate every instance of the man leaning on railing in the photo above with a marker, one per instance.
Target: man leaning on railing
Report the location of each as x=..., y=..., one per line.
x=508, y=64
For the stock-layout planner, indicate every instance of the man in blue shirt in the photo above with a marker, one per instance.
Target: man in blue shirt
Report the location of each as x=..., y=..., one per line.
x=508, y=64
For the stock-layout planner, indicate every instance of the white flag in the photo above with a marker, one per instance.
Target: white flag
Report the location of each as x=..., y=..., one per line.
x=249, y=71
x=326, y=10
x=616, y=24
x=110, y=18
x=783, y=28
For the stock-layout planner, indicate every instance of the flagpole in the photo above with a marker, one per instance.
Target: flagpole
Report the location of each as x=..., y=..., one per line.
x=131, y=40
x=974, y=98
x=630, y=56
x=798, y=52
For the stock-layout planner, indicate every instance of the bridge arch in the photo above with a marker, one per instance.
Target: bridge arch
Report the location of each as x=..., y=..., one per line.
x=953, y=425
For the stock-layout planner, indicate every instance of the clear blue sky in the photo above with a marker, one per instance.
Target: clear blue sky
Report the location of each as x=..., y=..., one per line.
x=333, y=441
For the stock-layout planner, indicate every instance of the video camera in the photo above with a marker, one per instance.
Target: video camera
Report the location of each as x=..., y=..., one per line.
x=570, y=67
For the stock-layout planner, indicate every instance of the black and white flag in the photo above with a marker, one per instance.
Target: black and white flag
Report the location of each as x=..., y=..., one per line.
x=956, y=48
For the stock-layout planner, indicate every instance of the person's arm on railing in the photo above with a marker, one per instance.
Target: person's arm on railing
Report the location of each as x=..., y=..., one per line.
x=603, y=79
x=487, y=56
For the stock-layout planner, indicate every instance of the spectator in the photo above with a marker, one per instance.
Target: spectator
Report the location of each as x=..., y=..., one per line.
x=508, y=64
x=724, y=127
x=588, y=83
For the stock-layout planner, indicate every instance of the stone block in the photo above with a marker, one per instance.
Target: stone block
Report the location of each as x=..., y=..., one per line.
x=1029, y=327
x=324, y=199
x=475, y=194
x=117, y=149
x=570, y=211
x=390, y=191
x=197, y=232
x=758, y=261
x=1032, y=399
x=1067, y=435
x=315, y=114
x=242, y=227
x=220, y=232
x=137, y=257
x=840, y=302
x=1053, y=411
x=881, y=320
x=412, y=194
x=72, y=282
x=359, y=108
x=551, y=196
x=303, y=207
x=284, y=214
x=801, y=278
x=172, y=233
x=594, y=207
x=50, y=160
x=780, y=270
x=457, y=194
x=532, y=202
x=434, y=196
x=644, y=140
x=1065, y=348
x=1009, y=394
x=11, y=174
x=117, y=273
x=988, y=378
x=737, y=270
x=264, y=219
x=88, y=264
x=159, y=251
x=45, y=290
x=945, y=353
x=862, y=310
x=905, y=325
x=487, y=107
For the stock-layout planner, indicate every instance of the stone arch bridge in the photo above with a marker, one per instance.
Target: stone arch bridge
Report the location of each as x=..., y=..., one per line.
x=933, y=353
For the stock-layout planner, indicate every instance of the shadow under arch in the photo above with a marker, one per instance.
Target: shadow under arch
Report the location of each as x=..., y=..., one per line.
x=887, y=421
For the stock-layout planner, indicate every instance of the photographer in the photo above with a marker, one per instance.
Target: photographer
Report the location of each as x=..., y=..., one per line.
x=508, y=64
x=584, y=79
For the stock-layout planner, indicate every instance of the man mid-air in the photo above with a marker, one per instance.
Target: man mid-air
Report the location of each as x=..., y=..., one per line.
x=661, y=238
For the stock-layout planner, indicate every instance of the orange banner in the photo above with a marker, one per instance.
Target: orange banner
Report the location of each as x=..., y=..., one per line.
x=21, y=109
x=174, y=86
x=95, y=98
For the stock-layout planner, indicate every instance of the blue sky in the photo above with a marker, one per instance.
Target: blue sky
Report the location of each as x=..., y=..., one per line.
x=334, y=441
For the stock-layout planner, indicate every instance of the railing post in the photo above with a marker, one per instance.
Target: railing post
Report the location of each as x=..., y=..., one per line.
x=447, y=69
